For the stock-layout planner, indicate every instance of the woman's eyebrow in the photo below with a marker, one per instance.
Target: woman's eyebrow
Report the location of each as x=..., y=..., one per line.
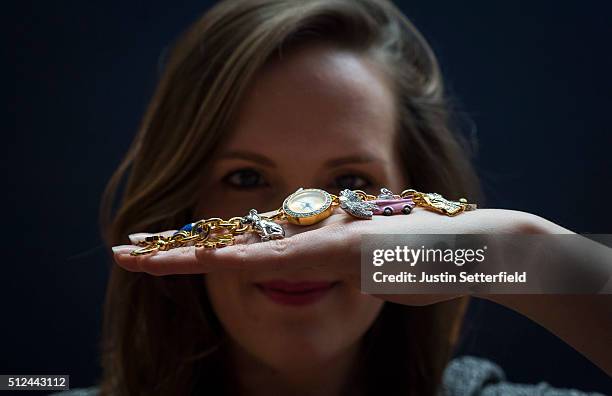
x=249, y=156
x=332, y=163
x=352, y=159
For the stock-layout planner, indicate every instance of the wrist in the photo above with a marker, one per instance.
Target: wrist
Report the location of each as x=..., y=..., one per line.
x=529, y=223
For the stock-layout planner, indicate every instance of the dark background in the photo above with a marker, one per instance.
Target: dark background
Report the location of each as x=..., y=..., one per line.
x=532, y=78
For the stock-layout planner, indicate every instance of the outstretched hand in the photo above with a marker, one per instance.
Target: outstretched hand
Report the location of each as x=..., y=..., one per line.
x=333, y=243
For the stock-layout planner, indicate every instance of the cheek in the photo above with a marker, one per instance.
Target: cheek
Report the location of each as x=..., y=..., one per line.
x=230, y=299
x=275, y=334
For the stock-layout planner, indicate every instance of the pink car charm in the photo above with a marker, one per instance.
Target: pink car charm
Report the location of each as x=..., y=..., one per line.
x=388, y=204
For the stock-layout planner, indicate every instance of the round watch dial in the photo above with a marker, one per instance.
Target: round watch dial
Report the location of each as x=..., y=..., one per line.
x=307, y=202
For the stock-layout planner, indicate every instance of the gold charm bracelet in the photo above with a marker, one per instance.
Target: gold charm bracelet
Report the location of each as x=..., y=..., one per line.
x=305, y=206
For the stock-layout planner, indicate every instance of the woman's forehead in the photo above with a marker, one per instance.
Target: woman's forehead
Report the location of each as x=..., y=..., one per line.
x=315, y=97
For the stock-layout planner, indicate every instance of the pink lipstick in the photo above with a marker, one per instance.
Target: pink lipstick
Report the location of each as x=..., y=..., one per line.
x=295, y=293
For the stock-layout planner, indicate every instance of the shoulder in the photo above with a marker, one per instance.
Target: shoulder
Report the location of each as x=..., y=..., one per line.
x=465, y=375
x=91, y=391
x=470, y=375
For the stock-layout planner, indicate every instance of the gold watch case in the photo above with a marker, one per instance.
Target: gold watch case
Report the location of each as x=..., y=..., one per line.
x=308, y=206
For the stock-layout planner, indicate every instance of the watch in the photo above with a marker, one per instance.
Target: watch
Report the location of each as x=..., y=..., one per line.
x=307, y=206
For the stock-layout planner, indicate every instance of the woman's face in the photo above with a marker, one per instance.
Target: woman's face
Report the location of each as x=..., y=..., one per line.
x=320, y=117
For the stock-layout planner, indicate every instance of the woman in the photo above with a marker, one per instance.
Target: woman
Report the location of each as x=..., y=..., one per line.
x=258, y=99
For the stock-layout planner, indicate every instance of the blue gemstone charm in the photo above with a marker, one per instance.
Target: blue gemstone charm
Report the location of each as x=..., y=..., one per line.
x=185, y=228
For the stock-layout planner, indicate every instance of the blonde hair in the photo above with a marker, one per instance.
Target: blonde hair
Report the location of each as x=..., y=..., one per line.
x=160, y=335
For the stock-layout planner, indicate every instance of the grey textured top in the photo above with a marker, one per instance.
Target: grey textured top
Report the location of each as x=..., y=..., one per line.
x=464, y=376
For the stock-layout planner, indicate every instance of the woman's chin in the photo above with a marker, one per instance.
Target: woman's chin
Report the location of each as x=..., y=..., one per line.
x=303, y=358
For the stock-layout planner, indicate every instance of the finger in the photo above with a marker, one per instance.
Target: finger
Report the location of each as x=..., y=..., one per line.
x=329, y=246
x=140, y=236
x=179, y=260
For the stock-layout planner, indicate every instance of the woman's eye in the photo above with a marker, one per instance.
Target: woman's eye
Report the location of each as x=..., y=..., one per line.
x=245, y=178
x=352, y=182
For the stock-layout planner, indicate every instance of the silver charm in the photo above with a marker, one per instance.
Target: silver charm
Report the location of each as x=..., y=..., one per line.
x=352, y=204
x=265, y=228
x=385, y=193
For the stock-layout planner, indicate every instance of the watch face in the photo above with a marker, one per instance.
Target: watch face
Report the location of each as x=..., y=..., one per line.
x=307, y=202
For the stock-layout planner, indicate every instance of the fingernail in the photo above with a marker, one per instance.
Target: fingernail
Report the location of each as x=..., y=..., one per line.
x=122, y=249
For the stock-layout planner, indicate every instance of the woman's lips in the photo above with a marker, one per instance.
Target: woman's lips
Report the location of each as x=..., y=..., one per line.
x=295, y=293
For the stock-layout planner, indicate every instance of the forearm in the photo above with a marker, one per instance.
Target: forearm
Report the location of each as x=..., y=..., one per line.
x=583, y=321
